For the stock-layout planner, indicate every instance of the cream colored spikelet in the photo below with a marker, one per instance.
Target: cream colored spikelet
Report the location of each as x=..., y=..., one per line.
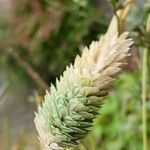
x=68, y=110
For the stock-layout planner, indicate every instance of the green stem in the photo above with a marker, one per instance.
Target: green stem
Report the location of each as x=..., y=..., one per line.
x=144, y=94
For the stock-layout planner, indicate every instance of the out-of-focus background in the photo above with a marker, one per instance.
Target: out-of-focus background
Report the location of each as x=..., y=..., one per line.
x=39, y=38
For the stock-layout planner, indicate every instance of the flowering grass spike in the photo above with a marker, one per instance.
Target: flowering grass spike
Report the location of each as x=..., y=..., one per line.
x=68, y=110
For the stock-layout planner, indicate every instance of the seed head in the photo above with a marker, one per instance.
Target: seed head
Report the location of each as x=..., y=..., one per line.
x=68, y=110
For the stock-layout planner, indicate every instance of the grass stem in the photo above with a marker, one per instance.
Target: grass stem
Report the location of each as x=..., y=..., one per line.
x=144, y=95
x=144, y=90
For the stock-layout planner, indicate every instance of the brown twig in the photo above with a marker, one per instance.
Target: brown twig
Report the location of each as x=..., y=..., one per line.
x=29, y=70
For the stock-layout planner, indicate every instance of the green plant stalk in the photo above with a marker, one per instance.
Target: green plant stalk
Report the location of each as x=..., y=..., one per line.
x=144, y=93
x=144, y=90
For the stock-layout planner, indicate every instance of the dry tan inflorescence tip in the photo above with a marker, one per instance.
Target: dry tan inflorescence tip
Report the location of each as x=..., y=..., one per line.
x=68, y=110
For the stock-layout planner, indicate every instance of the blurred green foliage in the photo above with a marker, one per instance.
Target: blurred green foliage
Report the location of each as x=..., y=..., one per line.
x=119, y=125
x=48, y=34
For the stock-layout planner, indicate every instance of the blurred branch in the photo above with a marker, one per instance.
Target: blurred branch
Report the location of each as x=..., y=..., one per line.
x=3, y=90
x=29, y=70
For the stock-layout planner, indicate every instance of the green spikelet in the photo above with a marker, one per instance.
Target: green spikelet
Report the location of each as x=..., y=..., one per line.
x=68, y=110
